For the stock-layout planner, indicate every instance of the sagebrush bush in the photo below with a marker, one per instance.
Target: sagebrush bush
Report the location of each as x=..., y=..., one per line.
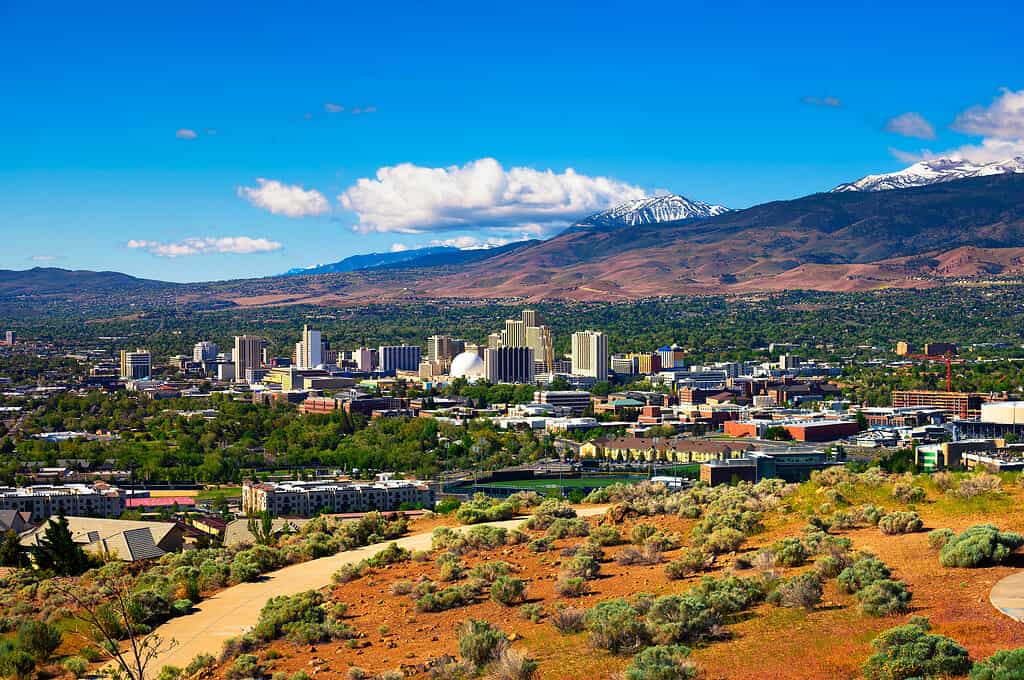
x=900, y=523
x=980, y=484
x=571, y=586
x=863, y=572
x=568, y=620
x=884, y=597
x=910, y=651
x=689, y=562
x=1003, y=665
x=606, y=536
x=480, y=642
x=979, y=546
x=565, y=528
x=583, y=566
x=616, y=626
x=789, y=552
x=803, y=591
x=908, y=493
x=725, y=540
x=940, y=537
x=512, y=664
x=508, y=591
x=662, y=662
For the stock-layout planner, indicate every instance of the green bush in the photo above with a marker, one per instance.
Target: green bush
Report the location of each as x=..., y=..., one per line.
x=1003, y=665
x=662, y=662
x=75, y=666
x=641, y=532
x=449, y=598
x=531, y=612
x=789, y=552
x=900, y=523
x=803, y=591
x=884, y=597
x=979, y=546
x=583, y=566
x=681, y=618
x=480, y=642
x=615, y=625
x=245, y=666
x=569, y=620
x=564, y=528
x=571, y=586
x=38, y=639
x=484, y=509
x=862, y=573
x=392, y=554
x=301, y=618
x=489, y=571
x=939, y=538
x=16, y=663
x=606, y=536
x=198, y=663
x=507, y=590
x=725, y=540
x=910, y=651
x=689, y=562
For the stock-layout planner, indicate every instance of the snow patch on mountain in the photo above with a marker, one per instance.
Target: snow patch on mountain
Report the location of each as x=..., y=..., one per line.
x=666, y=208
x=933, y=171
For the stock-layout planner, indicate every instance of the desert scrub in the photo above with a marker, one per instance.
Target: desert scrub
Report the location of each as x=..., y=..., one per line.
x=803, y=591
x=981, y=484
x=606, y=536
x=571, y=586
x=508, y=591
x=303, y=618
x=910, y=651
x=568, y=620
x=662, y=662
x=480, y=642
x=691, y=561
x=900, y=523
x=531, y=611
x=884, y=597
x=979, y=546
x=583, y=566
x=908, y=493
x=565, y=528
x=1003, y=665
x=392, y=554
x=940, y=537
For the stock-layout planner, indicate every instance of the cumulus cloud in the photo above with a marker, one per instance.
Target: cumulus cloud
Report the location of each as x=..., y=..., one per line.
x=330, y=107
x=833, y=102
x=481, y=194
x=242, y=245
x=185, y=133
x=911, y=124
x=1000, y=125
x=290, y=200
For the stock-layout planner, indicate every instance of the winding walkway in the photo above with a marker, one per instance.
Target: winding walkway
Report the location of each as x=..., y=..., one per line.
x=232, y=611
x=1008, y=596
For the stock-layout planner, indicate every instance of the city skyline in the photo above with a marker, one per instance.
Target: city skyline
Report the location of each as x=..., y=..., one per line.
x=179, y=147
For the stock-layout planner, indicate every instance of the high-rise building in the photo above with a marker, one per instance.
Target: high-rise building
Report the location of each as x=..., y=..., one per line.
x=590, y=354
x=494, y=340
x=441, y=349
x=136, y=365
x=363, y=358
x=398, y=358
x=646, y=362
x=309, y=350
x=205, y=351
x=529, y=317
x=10, y=338
x=249, y=353
x=672, y=357
x=538, y=338
x=509, y=365
x=788, y=362
x=514, y=334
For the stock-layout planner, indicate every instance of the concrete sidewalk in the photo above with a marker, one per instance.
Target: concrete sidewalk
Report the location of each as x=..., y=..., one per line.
x=1008, y=596
x=234, y=610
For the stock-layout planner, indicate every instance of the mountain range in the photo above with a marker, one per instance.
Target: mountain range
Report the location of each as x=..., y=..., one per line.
x=872, y=233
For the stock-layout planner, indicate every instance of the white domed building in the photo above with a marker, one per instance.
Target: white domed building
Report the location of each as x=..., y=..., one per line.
x=467, y=365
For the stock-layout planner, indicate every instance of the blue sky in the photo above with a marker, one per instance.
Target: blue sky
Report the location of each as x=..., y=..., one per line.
x=125, y=124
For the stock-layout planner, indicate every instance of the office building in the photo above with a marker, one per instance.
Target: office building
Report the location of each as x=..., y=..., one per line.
x=538, y=338
x=939, y=349
x=574, y=402
x=509, y=365
x=136, y=365
x=788, y=362
x=624, y=365
x=514, y=334
x=646, y=362
x=364, y=359
x=671, y=356
x=590, y=354
x=529, y=317
x=10, y=338
x=309, y=350
x=250, y=352
x=393, y=358
x=904, y=348
x=441, y=349
x=205, y=351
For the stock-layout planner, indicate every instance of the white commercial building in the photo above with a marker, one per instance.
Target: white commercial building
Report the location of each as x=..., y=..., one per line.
x=590, y=354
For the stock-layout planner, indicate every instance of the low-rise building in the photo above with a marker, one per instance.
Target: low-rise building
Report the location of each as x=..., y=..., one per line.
x=305, y=499
x=44, y=501
x=679, y=450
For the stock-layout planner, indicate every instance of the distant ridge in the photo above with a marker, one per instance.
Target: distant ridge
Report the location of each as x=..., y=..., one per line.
x=50, y=280
x=933, y=171
x=357, y=262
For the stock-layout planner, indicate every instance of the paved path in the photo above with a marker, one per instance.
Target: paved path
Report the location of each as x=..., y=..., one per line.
x=1008, y=596
x=234, y=610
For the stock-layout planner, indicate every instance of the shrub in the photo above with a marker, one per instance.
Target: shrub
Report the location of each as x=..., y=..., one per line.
x=802, y=591
x=725, y=540
x=830, y=566
x=75, y=666
x=357, y=673
x=245, y=666
x=689, y=562
x=449, y=598
x=662, y=662
x=39, y=639
x=641, y=532
x=484, y=509
x=531, y=612
x=606, y=536
x=571, y=586
x=980, y=484
x=939, y=537
x=449, y=567
x=862, y=573
x=869, y=514
x=1003, y=665
x=486, y=537
x=564, y=528
x=568, y=620
x=681, y=618
x=910, y=651
x=908, y=493
x=301, y=618
x=507, y=590
x=480, y=642
x=199, y=662
x=402, y=587
x=488, y=571
x=900, y=523
x=16, y=663
x=392, y=554
x=616, y=626
x=349, y=572
x=169, y=673
x=979, y=546
x=731, y=594
x=647, y=554
x=540, y=545
x=583, y=566
x=512, y=664
x=884, y=597
x=789, y=552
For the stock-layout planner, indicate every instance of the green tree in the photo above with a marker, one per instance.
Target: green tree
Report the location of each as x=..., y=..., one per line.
x=261, y=526
x=57, y=551
x=10, y=550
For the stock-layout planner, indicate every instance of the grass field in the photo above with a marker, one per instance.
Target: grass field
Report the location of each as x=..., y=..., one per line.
x=228, y=492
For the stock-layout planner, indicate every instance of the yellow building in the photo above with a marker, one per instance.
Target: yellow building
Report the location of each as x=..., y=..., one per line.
x=669, y=450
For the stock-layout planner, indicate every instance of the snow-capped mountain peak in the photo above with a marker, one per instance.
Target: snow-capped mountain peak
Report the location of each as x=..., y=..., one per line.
x=933, y=171
x=665, y=208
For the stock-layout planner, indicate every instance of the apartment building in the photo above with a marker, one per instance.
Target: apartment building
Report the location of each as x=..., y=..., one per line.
x=305, y=499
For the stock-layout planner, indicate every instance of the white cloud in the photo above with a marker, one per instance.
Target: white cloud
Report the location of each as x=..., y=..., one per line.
x=44, y=258
x=1000, y=125
x=482, y=194
x=290, y=200
x=333, y=108
x=473, y=243
x=911, y=124
x=833, y=102
x=399, y=247
x=242, y=245
x=185, y=133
